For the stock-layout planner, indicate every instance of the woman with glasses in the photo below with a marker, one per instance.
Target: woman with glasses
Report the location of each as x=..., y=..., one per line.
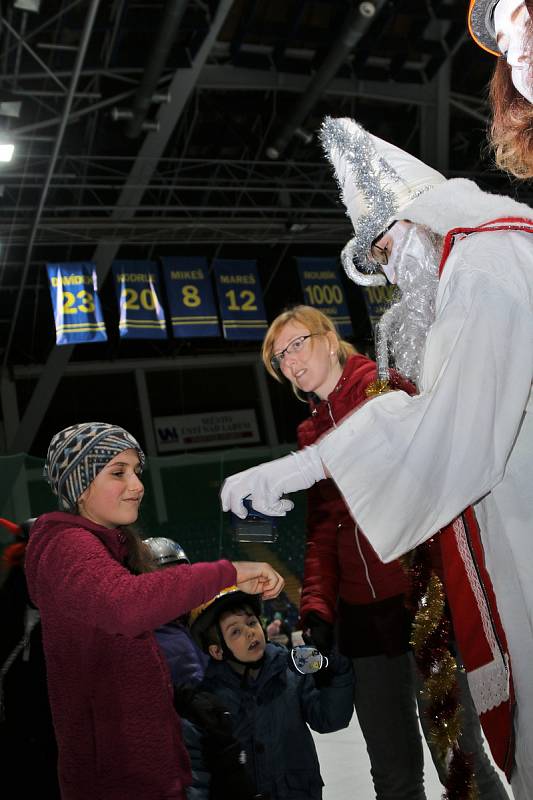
x=346, y=587
x=345, y=584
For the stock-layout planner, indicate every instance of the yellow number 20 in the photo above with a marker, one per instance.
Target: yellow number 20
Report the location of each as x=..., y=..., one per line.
x=134, y=300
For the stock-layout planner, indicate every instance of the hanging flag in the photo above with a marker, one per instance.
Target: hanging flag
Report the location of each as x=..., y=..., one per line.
x=77, y=310
x=240, y=299
x=139, y=300
x=323, y=289
x=192, y=306
x=378, y=299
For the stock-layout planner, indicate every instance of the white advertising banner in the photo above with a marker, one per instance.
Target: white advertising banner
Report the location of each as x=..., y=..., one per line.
x=217, y=429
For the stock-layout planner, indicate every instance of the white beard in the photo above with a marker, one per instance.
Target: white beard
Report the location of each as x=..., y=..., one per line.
x=403, y=329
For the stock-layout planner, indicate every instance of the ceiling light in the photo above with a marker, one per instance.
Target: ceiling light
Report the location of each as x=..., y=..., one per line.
x=28, y=5
x=6, y=151
x=10, y=108
x=296, y=227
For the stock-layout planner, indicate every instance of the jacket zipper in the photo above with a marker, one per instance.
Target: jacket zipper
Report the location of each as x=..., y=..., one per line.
x=356, y=530
x=363, y=559
x=331, y=415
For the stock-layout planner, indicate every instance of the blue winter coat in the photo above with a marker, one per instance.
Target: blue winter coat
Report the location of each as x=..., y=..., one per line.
x=270, y=719
x=185, y=660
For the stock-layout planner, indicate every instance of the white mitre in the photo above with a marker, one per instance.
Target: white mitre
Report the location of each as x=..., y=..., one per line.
x=377, y=181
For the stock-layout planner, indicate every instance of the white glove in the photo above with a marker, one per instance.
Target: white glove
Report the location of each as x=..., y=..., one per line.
x=266, y=483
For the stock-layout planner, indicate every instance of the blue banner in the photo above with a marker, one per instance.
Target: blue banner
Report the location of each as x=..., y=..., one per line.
x=77, y=311
x=323, y=289
x=192, y=306
x=378, y=299
x=139, y=300
x=240, y=299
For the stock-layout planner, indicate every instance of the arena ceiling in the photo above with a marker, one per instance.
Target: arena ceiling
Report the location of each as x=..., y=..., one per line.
x=189, y=126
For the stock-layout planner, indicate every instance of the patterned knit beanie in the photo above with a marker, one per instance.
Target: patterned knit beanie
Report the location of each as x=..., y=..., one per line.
x=77, y=454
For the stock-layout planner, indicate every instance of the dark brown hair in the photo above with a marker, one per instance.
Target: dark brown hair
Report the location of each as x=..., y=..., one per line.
x=213, y=633
x=139, y=558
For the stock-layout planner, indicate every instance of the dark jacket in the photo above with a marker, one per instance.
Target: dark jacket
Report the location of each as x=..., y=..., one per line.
x=110, y=691
x=270, y=717
x=185, y=660
x=341, y=568
x=27, y=738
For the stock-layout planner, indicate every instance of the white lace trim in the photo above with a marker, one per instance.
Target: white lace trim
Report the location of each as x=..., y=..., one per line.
x=489, y=684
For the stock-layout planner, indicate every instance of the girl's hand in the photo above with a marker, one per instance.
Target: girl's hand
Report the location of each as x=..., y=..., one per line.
x=255, y=577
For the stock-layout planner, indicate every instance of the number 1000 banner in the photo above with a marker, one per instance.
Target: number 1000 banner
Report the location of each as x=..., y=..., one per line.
x=378, y=299
x=240, y=299
x=322, y=288
x=77, y=311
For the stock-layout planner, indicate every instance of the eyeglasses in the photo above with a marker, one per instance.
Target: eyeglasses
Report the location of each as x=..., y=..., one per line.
x=293, y=347
x=380, y=254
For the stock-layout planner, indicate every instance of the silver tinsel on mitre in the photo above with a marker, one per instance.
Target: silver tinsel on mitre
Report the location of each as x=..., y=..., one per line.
x=367, y=170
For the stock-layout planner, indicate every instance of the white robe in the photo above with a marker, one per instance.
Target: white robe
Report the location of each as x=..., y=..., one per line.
x=407, y=466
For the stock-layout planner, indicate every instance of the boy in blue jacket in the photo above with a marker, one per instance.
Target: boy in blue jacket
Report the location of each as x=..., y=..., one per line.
x=270, y=705
x=187, y=663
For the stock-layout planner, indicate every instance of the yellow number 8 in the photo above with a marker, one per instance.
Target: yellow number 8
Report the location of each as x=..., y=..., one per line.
x=191, y=296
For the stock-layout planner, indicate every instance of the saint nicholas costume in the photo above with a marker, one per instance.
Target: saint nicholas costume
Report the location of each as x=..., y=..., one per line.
x=467, y=437
x=409, y=466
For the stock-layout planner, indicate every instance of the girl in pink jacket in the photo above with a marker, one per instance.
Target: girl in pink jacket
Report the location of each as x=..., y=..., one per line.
x=110, y=690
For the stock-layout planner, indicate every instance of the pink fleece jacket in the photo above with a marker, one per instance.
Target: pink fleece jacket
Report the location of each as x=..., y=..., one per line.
x=118, y=735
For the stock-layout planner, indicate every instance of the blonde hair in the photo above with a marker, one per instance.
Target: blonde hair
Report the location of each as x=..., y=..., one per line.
x=316, y=322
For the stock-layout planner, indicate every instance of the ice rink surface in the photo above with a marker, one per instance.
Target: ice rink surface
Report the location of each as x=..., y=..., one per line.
x=346, y=769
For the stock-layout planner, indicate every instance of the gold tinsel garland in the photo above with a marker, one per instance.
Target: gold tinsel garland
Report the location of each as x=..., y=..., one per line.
x=429, y=640
x=377, y=387
x=429, y=614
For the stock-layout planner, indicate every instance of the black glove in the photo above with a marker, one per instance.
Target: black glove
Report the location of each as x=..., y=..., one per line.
x=229, y=774
x=205, y=711
x=319, y=633
x=222, y=752
x=337, y=665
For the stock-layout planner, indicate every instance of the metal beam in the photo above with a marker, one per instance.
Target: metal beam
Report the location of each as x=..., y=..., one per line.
x=352, y=30
x=241, y=79
x=229, y=78
x=14, y=498
x=84, y=43
x=126, y=365
x=435, y=121
x=145, y=164
x=166, y=35
x=150, y=444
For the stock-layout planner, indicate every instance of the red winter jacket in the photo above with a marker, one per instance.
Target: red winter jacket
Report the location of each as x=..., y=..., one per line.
x=339, y=561
x=110, y=690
